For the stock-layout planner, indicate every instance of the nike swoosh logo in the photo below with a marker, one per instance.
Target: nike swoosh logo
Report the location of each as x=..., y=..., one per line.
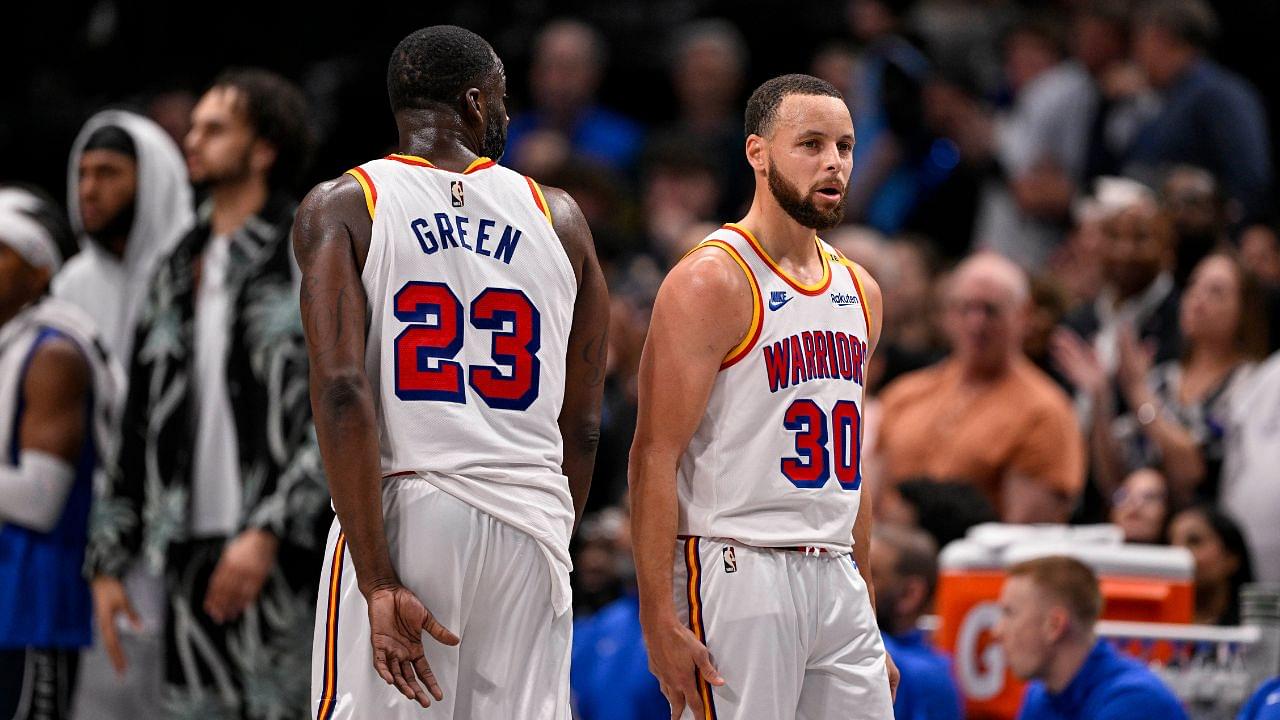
x=777, y=304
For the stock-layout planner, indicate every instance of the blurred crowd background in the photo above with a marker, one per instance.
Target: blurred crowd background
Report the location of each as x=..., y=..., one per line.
x=1069, y=204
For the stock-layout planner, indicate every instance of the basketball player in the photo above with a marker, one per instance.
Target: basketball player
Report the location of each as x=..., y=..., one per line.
x=745, y=470
x=455, y=315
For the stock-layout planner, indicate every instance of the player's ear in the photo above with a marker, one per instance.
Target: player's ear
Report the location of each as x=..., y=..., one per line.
x=471, y=105
x=757, y=152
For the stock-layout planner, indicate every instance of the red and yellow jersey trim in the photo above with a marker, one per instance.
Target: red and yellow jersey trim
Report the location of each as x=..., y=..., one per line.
x=366, y=184
x=479, y=163
x=815, y=289
x=329, y=697
x=748, y=341
x=539, y=199
x=862, y=295
x=697, y=624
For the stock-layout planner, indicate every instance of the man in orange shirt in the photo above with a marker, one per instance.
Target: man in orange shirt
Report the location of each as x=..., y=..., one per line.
x=986, y=415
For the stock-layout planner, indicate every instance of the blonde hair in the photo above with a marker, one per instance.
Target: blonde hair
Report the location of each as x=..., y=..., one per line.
x=1067, y=581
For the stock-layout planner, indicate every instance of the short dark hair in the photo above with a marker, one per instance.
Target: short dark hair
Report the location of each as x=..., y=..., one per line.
x=762, y=108
x=1191, y=21
x=277, y=111
x=434, y=65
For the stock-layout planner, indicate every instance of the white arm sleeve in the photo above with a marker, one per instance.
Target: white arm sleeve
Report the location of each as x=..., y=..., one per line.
x=33, y=493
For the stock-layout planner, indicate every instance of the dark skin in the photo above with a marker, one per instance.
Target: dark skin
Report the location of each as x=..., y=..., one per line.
x=332, y=233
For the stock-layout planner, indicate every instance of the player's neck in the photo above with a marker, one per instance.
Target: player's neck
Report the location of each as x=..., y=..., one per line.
x=234, y=203
x=1067, y=662
x=446, y=146
x=779, y=234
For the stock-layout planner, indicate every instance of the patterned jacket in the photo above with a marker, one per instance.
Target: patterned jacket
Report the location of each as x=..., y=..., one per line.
x=147, y=503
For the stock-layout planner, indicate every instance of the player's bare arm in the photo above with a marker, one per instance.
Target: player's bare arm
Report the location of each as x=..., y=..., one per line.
x=702, y=311
x=588, y=348
x=331, y=238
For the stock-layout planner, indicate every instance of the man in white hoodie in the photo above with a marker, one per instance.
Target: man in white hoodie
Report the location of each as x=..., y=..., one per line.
x=130, y=203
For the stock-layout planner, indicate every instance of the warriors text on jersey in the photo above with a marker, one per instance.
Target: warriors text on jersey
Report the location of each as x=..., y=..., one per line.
x=776, y=460
x=471, y=298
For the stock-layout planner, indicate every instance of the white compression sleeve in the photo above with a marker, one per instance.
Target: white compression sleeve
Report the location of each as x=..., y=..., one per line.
x=33, y=493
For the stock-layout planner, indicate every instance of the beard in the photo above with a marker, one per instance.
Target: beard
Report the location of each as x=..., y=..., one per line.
x=118, y=226
x=800, y=207
x=494, y=143
x=235, y=170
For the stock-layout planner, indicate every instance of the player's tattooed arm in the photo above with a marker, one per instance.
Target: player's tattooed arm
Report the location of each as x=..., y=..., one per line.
x=333, y=308
x=587, y=356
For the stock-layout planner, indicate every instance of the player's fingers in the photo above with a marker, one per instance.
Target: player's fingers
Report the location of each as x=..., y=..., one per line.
x=707, y=669
x=420, y=695
x=397, y=676
x=380, y=666
x=423, y=668
x=676, y=699
x=438, y=631
x=134, y=620
x=692, y=697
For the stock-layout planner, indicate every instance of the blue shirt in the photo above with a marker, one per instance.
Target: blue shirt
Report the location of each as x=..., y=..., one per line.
x=598, y=134
x=1214, y=119
x=926, y=690
x=44, y=599
x=610, y=676
x=1109, y=686
x=1265, y=703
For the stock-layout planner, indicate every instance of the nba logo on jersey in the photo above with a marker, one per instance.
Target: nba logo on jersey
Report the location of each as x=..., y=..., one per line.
x=455, y=188
x=730, y=559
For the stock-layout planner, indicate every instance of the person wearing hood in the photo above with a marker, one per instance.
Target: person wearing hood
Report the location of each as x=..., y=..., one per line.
x=58, y=392
x=129, y=203
x=218, y=482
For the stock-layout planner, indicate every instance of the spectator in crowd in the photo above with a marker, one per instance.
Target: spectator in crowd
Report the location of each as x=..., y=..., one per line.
x=568, y=63
x=944, y=510
x=1120, y=97
x=1048, y=609
x=1178, y=410
x=1048, y=308
x=1222, y=561
x=887, y=180
x=610, y=676
x=904, y=564
x=678, y=190
x=218, y=480
x=58, y=390
x=1039, y=146
x=1264, y=704
x=1260, y=252
x=130, y=203
x=1141, y=506
x=1189, y=197
x=1250, y=467
x=1210, y=117
x=708, y=69
x=1138, y=289
x=986, y=415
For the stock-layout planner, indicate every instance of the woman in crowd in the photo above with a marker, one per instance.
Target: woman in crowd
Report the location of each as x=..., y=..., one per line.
x=1141, y=506
x=1222, y=561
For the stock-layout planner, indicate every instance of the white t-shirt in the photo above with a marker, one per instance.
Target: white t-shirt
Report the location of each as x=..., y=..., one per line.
x=1251, y=468
x=215, y=497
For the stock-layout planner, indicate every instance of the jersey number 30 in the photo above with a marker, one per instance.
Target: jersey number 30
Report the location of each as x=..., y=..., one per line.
x=425, y=350
x=811, y=468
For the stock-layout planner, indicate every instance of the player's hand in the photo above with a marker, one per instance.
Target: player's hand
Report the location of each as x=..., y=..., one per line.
x=677, y=659
x=397, y=620
x=109, y=600
x=240, y=574
x=894, y=676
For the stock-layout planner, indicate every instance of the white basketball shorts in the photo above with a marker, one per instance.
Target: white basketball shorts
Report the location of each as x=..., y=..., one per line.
x=792, y=633
x=482, y=579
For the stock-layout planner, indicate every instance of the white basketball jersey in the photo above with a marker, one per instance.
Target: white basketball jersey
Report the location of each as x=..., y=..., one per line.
x=776, y=460
x=471, y=300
